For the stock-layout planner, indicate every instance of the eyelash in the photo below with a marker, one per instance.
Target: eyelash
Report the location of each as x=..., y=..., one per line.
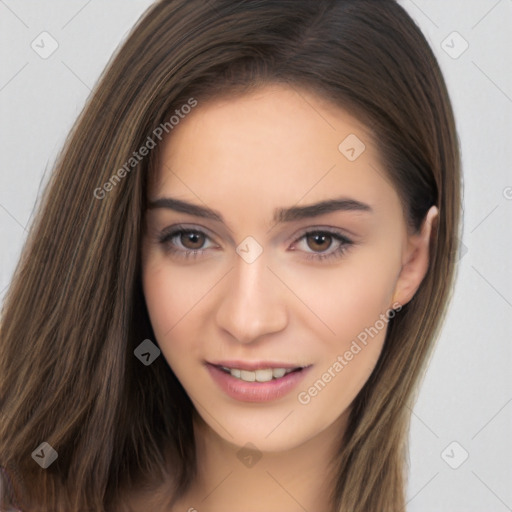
x=166, y=237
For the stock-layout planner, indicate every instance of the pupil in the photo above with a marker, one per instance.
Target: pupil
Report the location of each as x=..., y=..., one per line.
x=192, y=238
x=319, y=240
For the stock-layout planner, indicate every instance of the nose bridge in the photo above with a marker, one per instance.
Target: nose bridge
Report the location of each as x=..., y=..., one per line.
x=252, y=304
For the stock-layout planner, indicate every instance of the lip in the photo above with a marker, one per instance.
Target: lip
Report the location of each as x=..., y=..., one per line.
x=255, y=391
x=255, y=365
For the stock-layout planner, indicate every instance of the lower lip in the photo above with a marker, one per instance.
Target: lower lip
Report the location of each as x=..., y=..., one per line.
x=255, y=391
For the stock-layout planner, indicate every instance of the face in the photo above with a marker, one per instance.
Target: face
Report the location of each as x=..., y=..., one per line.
x=241, y=270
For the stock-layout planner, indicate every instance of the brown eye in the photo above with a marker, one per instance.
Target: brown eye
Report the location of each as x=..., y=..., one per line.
x=320, y=245
x=185, y=243
x=319, y=241
x=192, y=240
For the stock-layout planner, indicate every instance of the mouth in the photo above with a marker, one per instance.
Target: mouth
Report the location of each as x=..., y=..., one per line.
x=256, y=382
x=260, y=375
x=257, y=371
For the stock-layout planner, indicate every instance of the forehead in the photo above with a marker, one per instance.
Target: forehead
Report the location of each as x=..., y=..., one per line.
x=277, y=145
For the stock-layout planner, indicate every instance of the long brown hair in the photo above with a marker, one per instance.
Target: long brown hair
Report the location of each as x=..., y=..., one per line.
x=75, y=311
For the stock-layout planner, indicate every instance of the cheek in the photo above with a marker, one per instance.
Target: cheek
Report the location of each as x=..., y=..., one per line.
x=344, y=300
x=353, y=303
x=161, y=299
x=356, y=308
x=166, y=306
x=170, y=293
x=175, y=297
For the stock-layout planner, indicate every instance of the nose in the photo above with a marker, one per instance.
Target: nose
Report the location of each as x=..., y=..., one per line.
x=252, y=302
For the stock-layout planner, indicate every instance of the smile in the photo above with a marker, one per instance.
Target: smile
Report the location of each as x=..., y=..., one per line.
x=263, y=375
x=256, y=382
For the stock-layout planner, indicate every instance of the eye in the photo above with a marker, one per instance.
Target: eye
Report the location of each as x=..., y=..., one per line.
x=322, y=241
x=185, y=242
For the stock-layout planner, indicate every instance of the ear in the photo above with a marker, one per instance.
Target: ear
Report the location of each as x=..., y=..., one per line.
x=415, y=260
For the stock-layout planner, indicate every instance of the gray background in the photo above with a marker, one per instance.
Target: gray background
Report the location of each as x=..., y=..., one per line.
x=465, y=404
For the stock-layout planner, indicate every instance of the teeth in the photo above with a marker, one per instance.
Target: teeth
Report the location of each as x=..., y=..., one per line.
x=264, y=375
x=278, y=372
x=248, y=376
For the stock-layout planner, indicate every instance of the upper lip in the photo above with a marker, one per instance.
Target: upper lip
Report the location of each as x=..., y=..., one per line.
x=255, y=365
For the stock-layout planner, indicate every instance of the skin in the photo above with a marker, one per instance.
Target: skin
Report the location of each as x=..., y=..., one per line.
x=244, y=157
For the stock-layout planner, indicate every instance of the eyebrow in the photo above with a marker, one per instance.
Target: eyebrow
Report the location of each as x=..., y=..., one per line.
x=281, y=215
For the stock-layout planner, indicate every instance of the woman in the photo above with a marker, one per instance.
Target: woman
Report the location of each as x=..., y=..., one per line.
x=241, y=265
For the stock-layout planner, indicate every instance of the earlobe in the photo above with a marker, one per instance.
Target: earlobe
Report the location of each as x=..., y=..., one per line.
x=416, y=259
